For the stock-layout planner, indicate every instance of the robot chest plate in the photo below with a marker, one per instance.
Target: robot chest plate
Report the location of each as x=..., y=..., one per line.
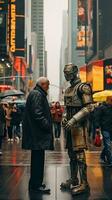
x=71, y=98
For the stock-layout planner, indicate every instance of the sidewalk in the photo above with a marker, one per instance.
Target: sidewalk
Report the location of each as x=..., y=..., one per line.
x=15, y=169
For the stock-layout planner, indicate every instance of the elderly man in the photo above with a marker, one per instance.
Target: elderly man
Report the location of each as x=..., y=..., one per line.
x=37, y=133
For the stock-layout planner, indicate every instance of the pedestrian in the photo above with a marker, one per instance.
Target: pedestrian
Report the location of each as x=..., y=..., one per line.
x=52, y=109
x=8, y=122
x=37, y=133
x=15, y=121
x=58, y=112
x=2, y=124
x=103, y=123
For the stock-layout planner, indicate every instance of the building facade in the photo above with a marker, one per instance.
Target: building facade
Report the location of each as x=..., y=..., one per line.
x=37, y=26
x=76, y=34
x=63, y=53
x=99, y=15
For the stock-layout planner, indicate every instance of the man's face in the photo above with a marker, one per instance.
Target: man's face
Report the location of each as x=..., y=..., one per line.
x=45, y=85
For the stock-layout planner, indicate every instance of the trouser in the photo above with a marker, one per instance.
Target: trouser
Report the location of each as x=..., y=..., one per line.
x=78, y=163
x=57, y=129
x=37, y=168
x=1, y=137
x=5, y=131
x=106, y=152
x=16, y=130
x=9, y=129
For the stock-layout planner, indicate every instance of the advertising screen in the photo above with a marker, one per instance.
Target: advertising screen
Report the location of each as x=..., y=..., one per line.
x=91, y=29
x=16, y=27
x=95, y=75
x=2, y=29
x=108, y=74
x=81, y=19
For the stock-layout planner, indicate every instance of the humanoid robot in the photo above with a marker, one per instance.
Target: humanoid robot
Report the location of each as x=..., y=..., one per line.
x=78, y=104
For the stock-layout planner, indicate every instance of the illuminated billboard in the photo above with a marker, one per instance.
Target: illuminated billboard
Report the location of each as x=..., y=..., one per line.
x=16, y=27
x=81, y=20
x=91, y=29
x=95, y=75
x=108, y=74
x=86, y=27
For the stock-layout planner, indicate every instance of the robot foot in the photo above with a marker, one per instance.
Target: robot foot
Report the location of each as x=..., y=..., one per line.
x=83, y=188
x=69, y=184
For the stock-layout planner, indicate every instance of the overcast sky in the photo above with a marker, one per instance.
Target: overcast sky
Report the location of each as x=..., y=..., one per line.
x=53, y=32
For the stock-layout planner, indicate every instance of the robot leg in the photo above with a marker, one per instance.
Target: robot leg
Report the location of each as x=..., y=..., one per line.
x=73, y=181
x=83, y=187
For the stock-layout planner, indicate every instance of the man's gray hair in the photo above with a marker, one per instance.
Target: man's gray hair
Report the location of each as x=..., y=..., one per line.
x=42, y=79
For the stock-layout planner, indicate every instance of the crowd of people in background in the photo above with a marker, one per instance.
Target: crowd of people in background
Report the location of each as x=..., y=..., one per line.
x=10, y=123
x=100, y=121
x=100, y=129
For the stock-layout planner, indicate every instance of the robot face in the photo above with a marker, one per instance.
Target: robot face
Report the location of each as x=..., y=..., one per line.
x=68, y=76
x=70, y=72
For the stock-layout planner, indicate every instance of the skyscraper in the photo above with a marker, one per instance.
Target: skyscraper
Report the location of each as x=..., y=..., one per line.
x=63, y=52
x=37, y=26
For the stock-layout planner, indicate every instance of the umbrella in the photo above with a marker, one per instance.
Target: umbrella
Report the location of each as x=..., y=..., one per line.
x=102, y=96
x=11, y=93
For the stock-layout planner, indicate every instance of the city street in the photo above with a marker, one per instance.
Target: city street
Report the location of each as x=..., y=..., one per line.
x=55, y=70
x=15, y=169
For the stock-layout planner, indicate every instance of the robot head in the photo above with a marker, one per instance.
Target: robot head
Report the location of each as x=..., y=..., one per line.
x=70, y=72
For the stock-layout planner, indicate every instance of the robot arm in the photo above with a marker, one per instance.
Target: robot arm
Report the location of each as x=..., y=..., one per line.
x=86, y=92
x=79, y=116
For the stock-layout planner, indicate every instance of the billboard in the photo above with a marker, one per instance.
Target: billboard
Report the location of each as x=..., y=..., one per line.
x=108, y=74
x=95, y=75
x=81, y=20
x=16, y=27
x=20, y=66
x=98, y=80
x=91, y=29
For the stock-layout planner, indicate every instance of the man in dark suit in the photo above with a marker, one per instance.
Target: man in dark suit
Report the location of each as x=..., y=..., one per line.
x=37, y=133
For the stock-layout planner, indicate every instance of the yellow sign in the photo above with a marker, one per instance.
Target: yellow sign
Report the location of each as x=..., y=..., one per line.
x=98, y=80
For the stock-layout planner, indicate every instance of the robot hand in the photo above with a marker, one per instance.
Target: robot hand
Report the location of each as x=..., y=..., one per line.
x=64, y=122
x=70, y=124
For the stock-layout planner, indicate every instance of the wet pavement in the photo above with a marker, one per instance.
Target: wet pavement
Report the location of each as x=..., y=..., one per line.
x=15, y=170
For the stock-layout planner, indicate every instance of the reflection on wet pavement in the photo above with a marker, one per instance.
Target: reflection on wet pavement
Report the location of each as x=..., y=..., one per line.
x=15, y=169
